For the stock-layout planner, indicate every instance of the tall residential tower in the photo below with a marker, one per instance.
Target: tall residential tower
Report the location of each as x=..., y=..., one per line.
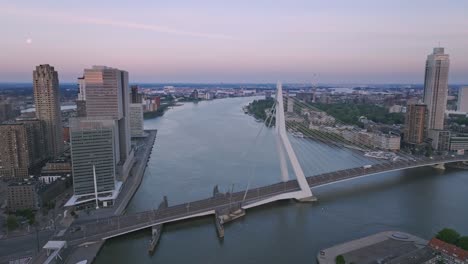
x=436, y=88
x=47, y=100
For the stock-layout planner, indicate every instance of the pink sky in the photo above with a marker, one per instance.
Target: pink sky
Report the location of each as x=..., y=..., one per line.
x=205, y=41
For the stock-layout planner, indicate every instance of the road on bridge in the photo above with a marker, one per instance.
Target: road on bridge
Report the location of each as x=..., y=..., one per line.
x=117, y=225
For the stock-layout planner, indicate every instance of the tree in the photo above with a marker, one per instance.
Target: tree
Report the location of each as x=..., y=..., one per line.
x=12, y=222
x=340, y=260
x=463, y=242
x=448, y=235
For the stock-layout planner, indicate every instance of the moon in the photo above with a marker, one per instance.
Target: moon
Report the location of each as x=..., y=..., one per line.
x=28, y=41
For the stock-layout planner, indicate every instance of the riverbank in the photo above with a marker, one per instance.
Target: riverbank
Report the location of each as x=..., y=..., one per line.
x=190, y=160
x=159, y=112
x=90, y=251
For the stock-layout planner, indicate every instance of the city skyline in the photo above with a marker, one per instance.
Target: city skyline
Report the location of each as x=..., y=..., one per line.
x=209, y=42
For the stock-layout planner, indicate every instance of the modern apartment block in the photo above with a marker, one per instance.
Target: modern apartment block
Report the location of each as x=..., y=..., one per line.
x=47, y=100
x=436, y=88
x=463, y=99
x=414, y=132
x=93, y=144
x=22, y=148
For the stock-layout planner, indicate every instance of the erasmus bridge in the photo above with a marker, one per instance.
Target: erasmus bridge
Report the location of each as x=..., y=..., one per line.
x=294, y=132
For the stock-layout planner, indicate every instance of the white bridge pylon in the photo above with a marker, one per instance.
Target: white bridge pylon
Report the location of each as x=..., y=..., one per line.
x=283, y=144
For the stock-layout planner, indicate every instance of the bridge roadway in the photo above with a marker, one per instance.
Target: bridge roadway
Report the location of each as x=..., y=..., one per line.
x=105, y=228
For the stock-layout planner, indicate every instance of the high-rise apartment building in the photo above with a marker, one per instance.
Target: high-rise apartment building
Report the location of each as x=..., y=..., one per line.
x=415, y=120
x=47, y=100
x=436, y=88
x=22, y=148
x=463, y=99
x=93, y=144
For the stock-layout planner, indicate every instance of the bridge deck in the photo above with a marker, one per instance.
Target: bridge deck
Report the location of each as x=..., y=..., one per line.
x=118, y=225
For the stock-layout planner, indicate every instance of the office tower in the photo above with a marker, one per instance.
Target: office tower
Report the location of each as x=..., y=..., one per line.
x=106, y=95
x=463, y=99
x=47, y=100
x=136, y=120
x=436, y=88
x=415, y=123
x=92, y=145
x=22, y=148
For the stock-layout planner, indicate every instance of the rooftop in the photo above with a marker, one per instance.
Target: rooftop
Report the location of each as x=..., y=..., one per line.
x=448, y=249
x=378, y=248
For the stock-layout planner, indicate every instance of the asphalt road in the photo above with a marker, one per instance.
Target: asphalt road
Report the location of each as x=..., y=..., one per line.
x=21, y=246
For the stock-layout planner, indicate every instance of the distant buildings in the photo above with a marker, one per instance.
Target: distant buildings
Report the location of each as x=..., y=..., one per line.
x=414, y=132
x=459, y=142
x=137, y=98
x=440, y=139
x=6, y=110
x=194, y=94
x=136, y=120
x=151, y=104
x=396, y=109
x=376, y=140
x=463, y=99
x=47, y=100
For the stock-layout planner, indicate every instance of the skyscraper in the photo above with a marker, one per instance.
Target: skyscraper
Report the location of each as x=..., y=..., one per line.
x=415, y=123
x=436, y=88
x=106, y=95
x=47, y=100
x=463, y=99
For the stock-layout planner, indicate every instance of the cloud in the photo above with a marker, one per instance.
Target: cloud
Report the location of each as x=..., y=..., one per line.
x=66, y=17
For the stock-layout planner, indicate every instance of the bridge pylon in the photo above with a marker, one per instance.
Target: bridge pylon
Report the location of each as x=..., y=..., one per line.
x=284, y=145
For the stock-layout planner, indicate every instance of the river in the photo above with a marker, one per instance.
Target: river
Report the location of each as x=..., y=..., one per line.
x=214, y=142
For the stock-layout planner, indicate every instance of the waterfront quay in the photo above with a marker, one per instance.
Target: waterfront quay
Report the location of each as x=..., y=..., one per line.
x=89, y=251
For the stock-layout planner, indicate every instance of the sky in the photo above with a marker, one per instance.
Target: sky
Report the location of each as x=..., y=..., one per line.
x=241, y=41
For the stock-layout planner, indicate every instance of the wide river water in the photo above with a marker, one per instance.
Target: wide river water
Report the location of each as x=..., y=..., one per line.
x=201, y=145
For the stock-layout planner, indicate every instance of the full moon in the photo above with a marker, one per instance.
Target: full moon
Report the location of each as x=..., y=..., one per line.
x=28, y=41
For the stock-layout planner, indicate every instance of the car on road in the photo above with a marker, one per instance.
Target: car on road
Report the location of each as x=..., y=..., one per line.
x=75, y=229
